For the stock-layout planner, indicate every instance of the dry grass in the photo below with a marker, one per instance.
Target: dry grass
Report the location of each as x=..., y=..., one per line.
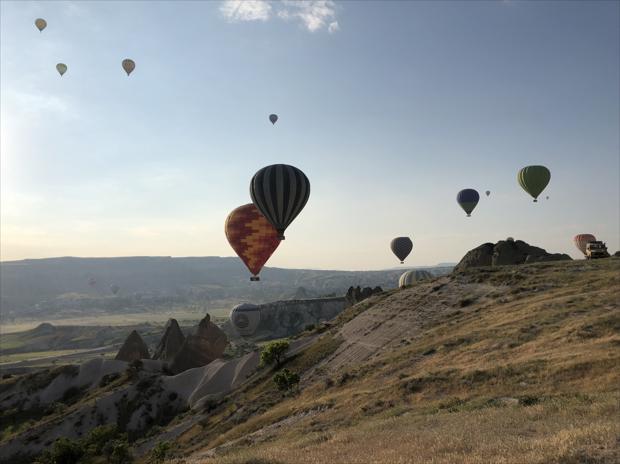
x=490, y=375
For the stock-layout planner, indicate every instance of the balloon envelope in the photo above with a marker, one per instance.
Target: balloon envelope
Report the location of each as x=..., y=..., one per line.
x=401, y=247
x=411, y=277
x=61, y=68
x=534, y=179
x=273, y=118
x=114, y=288
x=129, y=66
x=92, y=282
x=280, y=192
x=581, y=240
x=468, y=199
x=488, y=192
x=251, y=236
x=245, y=318
x=40, y=23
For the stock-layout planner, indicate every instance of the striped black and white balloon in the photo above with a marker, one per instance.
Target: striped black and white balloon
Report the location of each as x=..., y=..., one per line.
x=280, y=192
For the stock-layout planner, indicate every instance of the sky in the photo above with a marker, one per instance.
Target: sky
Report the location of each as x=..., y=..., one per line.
x=390, y=108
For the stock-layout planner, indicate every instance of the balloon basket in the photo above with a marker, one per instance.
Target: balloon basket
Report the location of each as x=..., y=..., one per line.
x=254, y=279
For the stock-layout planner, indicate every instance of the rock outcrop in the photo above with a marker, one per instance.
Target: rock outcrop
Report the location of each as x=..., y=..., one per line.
x=133, y=348
x=171, y=341
x=357, y=294
x=506, y=252
x=199, y=349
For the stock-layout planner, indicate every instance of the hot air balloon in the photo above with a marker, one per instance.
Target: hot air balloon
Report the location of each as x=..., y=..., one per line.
x=488, y=192
x=114, y=288
x=61, y=68
x=273, y=118
x=547, y=197
x=401, y=247
x=40, y=23
x=280, y=192
x=534, y=179
x=245, y=318
x=129, y=66
x=411, y=277
x=251, y=236
x=468, y=199
x=581, y=240
x=92, y=282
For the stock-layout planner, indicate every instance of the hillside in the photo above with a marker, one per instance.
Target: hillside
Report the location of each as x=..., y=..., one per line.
x=506, y=364
x=74, y=287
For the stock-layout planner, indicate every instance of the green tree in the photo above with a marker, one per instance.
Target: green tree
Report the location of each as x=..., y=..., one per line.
x=119, y=453
x=286, y=380
x=65, y=451
x=160, y=452
x=274, y=352
x=99, y=437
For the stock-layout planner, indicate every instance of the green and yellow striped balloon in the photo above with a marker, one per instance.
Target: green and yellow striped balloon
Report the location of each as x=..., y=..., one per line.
x=534, y=179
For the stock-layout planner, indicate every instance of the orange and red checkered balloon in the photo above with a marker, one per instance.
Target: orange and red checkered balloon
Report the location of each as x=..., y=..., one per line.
x=252, y=237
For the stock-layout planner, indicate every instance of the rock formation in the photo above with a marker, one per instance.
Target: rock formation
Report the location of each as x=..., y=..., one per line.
x=506, y=252
x=357, y=294
x=133, y=348
x=199, y=349
x=171, y=341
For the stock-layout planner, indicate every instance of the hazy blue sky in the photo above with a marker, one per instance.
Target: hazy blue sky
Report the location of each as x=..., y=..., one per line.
x=390, y=108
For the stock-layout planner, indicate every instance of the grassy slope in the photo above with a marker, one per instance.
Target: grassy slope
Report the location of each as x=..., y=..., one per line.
x=516, y=365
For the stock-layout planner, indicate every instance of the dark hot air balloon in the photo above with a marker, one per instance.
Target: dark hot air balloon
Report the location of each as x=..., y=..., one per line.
x=581, y=240
x=128, y=65
x=488, y=192
x=468, y=199
x=273, y=118
x=280, y=192
x=251, y=236
x=40, y=23
x=61, y=68
x=534, y=179
x=401, y=247
x=114, y=288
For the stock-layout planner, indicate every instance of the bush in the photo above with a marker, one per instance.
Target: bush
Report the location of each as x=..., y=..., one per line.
x=65, y=451
x=286, y=380
x=119, y=452
x=274, y=352
x=100, y=437
x=160, y=453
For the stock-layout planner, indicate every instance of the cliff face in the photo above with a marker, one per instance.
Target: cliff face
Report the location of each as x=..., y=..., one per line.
x=199, y=349
x=506, y=252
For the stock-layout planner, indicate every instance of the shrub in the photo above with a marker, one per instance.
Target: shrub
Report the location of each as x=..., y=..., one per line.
x=119, y=452
x=274, y=352
x=160, y=452
x=286, y=380
x=99, y=437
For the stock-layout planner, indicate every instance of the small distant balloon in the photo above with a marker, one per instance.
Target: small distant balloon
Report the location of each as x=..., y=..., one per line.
x=488, y=192
x=114, y=288
x=61, y=68
x=40, y=23
x=547, y=197
x=92, y=282
x=273, y=118
x=129, y=65
x=468, y=199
